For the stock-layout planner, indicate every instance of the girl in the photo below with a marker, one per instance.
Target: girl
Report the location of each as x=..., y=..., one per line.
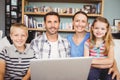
x=100, y=46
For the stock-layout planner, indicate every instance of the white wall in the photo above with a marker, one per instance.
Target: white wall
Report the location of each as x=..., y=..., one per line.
x=117, y=52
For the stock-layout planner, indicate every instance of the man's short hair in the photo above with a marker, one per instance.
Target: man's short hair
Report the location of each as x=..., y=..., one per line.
x=52, y=13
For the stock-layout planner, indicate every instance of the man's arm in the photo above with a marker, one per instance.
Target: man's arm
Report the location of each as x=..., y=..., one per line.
x=114, y=71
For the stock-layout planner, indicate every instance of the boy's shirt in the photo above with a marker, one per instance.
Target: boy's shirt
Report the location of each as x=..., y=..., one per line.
x=17, y=63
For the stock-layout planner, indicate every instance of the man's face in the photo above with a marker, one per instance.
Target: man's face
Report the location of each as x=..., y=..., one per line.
x=52, y=24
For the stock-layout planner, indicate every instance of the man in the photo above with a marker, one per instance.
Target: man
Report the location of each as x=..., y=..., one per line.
x=51, y=44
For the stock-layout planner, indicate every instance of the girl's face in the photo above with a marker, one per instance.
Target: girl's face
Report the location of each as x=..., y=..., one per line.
x=99, y=29
x=80, y=23
x=19, y=37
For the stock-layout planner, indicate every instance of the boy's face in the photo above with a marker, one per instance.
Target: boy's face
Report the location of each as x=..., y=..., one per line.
x=19, y=37
x=52, y=24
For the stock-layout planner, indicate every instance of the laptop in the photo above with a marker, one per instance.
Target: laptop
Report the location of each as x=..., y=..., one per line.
x=60, y=69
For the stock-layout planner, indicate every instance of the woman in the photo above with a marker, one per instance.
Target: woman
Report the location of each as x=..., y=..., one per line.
x=77, y=40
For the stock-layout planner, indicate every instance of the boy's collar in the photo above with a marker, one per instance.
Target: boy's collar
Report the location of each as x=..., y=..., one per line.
x=16, y=50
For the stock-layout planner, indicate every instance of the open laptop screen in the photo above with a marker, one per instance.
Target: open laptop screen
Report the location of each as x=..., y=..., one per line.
x=60, y=69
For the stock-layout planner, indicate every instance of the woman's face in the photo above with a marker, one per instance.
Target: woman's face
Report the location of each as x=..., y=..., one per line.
x=80, y=23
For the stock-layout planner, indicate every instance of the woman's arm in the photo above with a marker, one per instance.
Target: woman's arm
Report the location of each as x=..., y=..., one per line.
x=2, y=69
x=114, y=71
x=27, y=76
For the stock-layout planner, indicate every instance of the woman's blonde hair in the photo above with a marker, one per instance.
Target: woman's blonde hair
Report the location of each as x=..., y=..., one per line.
x=108, y=40
x=18, y=25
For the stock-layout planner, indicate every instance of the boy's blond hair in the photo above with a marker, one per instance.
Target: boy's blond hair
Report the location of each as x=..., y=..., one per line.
x=18, y=25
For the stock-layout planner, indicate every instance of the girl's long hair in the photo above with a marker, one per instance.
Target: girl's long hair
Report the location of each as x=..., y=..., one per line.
x=108, y=40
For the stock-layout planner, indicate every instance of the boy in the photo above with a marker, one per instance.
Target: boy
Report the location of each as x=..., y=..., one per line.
x=15, y=59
